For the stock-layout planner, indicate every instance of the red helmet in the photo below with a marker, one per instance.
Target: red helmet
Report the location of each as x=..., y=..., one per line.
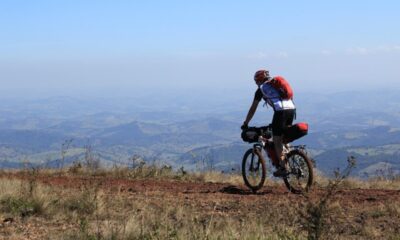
x=261, y=75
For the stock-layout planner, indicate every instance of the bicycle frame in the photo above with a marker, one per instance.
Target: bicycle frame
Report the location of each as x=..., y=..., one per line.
x=251, y=166
x=264, y=142
x=268, y=146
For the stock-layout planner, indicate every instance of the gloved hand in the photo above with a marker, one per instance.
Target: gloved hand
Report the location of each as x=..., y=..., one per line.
x=244, y=126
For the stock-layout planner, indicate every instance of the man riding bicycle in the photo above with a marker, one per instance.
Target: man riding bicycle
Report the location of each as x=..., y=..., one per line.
x=278, y=94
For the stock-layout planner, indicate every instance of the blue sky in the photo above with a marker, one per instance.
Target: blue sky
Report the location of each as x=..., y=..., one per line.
x=54, y=47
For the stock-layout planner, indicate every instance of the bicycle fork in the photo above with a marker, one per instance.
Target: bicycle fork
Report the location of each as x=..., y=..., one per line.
x=257, y=150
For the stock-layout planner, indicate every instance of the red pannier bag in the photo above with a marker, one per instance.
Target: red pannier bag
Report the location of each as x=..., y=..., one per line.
x=294, y=132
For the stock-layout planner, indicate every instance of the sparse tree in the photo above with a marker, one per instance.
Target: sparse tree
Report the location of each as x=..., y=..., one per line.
x=64, y=148
x=90, y=159
x=137, y=160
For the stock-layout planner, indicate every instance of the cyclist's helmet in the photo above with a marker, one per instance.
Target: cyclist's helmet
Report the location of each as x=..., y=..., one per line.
x=261, y=75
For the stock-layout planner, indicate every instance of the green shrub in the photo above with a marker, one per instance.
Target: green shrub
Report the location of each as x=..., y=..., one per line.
x=20, y=206
x=83, y=203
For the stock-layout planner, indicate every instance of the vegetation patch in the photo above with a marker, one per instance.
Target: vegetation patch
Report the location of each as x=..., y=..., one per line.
x=21, y=206
x=163, y=204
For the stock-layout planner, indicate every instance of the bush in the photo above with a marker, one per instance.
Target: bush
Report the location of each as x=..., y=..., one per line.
x=20, y=206
x=82, y=204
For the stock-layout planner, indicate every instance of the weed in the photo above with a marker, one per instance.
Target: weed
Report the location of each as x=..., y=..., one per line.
x=75, y=168
x=82, y=203
x=318, y=216
x=64, y=148
x=91, y=161
x=20, y=206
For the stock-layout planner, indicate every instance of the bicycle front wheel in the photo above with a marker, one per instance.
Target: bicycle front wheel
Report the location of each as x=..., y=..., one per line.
x=253, y=169
x=301, y=176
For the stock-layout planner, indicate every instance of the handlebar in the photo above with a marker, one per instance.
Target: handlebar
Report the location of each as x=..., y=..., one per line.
x=252, y=134
x=262, y=129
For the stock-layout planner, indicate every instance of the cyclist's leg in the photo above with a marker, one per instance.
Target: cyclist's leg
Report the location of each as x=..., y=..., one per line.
x=288, y=118
x=278, y=124
x=281, y=120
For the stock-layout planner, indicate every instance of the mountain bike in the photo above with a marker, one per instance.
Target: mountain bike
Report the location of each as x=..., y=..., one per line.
x=299, y=177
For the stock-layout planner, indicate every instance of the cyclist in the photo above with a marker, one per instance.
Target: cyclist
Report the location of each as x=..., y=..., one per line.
x=284, y=112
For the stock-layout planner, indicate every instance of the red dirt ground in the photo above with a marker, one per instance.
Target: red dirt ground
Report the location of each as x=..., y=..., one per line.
x=209, y=198
x=212, y=190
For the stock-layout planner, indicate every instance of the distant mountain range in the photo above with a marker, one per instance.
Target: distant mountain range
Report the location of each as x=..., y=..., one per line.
x=366, y=125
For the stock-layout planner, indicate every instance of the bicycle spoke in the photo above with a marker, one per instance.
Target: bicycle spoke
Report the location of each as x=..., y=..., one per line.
x=299, y=172
x=253, y=169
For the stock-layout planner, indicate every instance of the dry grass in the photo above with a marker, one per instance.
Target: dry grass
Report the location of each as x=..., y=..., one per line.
x=165, y=172
x=92, y=212
x=357, y=183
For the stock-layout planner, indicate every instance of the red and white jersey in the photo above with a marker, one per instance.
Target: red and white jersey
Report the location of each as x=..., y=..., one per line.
x=272, y=96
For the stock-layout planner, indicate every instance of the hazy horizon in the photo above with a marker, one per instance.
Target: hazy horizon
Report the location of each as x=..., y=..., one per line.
x=100, y=48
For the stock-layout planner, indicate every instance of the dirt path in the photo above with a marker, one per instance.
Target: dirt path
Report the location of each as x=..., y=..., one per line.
x=213, y=191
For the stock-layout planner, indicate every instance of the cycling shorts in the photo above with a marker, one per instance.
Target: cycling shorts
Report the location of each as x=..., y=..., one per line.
x=281, y=120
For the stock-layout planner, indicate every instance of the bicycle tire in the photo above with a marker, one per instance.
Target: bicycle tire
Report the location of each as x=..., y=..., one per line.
x=260, y=161
x=293, y=157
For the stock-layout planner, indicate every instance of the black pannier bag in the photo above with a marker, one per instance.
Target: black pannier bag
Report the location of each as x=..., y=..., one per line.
x=252, y=134
x=295, y=131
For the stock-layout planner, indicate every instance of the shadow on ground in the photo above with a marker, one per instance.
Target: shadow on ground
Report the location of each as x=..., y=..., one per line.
x=236, y=190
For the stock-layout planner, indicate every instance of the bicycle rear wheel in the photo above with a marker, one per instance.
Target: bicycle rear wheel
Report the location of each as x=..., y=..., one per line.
x=253, y=169
x=301, y=176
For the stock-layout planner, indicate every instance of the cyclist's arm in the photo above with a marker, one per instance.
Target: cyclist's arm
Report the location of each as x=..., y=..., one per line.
x=251, y=112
